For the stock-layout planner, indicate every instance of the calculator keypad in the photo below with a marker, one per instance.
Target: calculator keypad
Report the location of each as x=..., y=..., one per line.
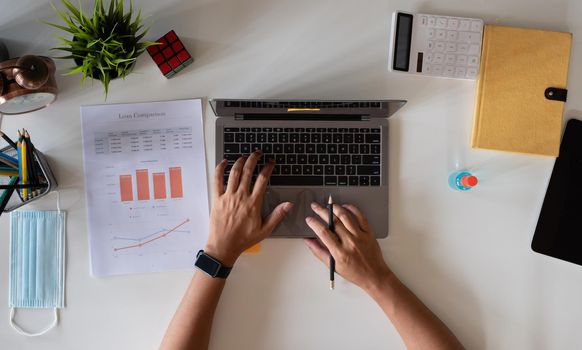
x=453, y=46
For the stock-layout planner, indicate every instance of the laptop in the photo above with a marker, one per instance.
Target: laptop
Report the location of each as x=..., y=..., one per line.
x=320, y=148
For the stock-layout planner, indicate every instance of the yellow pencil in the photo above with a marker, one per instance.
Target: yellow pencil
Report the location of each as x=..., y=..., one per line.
x=23, y=154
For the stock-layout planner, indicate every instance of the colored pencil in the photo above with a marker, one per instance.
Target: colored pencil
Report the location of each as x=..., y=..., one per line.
x=30, y=156
x=12, y=172
x=21, y=186
x=6, y=159
x=24, y=155
x=7, y=139
x=7, y=194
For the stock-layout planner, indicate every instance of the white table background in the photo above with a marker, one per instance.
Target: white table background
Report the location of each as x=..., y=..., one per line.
x=467, y=255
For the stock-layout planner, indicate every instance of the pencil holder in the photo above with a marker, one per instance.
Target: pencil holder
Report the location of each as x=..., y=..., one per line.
x=47, y=178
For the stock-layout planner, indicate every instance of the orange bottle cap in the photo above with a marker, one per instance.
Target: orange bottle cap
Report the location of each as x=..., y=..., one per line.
x=469, y=181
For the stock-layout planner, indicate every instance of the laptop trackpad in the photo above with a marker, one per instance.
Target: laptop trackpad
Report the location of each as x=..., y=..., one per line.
x=294, y=223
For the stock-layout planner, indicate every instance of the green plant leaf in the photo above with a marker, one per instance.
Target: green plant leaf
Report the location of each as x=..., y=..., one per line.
x=74, y=70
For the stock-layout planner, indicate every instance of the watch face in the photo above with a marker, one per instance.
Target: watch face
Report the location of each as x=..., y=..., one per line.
x=27, y=103
x=207, y=264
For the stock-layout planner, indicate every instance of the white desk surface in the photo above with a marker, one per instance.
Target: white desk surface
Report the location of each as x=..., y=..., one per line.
x=467, y=255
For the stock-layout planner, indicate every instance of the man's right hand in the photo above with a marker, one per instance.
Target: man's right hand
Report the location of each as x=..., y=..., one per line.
x=355, y=249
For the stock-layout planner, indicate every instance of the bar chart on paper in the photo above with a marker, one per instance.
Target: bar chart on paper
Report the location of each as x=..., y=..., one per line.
x=160, y=181
x=146, y=186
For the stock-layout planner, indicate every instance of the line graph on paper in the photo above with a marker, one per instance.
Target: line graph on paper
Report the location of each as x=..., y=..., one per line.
x=152, y=242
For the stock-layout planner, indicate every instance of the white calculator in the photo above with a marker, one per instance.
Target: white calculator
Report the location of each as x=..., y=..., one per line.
x=438, y=46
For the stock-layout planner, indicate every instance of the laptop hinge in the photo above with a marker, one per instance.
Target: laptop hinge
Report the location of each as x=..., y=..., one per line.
x=313, y=117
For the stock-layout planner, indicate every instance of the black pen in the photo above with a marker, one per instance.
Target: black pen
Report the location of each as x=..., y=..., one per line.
x=331, y=259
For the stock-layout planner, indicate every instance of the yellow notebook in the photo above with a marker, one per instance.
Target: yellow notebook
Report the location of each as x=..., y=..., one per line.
x=522, y=80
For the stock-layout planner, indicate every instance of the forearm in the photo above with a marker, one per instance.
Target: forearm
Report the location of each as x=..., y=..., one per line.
x=416, y=324
x=191, y=325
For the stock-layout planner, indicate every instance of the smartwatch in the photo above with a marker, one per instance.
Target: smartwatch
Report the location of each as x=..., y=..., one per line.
x=211, y=266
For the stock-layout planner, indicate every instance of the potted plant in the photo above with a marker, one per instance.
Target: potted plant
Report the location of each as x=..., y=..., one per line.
x=104, y=46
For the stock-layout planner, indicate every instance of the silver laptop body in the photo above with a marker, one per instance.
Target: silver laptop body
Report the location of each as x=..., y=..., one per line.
x=258, y=120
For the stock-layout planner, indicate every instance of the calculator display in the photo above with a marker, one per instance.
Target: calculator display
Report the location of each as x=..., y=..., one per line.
x=402, y=42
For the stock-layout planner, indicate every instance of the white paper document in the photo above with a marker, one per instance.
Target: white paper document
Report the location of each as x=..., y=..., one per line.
x=146, y=186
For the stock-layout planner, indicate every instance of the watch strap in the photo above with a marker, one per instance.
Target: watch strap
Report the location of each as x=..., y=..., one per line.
x=222, y=272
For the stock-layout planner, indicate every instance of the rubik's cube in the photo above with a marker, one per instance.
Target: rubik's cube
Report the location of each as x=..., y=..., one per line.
x=171, y=56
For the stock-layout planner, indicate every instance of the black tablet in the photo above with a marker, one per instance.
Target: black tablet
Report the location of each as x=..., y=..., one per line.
x=559, y=229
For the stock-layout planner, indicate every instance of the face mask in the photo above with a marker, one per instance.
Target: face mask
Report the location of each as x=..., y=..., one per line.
x=37, y=263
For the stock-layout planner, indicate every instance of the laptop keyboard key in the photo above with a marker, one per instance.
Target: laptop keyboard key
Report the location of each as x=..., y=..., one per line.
x=272, y=138
x=250, y=137
x=356, y=159
x=313, y=159
x=368, y=170
x=288, y=148
x=321, y=148
x=334, y=159
x=302, y=159
x=375, y=149
x=342, y=180
x=373, y=138
x=340, y=169
x=308, y=169
x=354, y=149
x=329, y=170
x=353, y=180
x=239, y=137
x=296, y=180
x=351, y=170
x=231, y=148
x=326, y=138
x=277, y=148
x=286, y=169
x=228, y=137
x=345, y=159
x=291, y=159
x=323, y=159
x=331, y=180
x=343, y=148
x=364, y=181
x=310, y=148
x=299, y=148
x=318, y=169
x=296, y=169
x=280, y=159
x=245, y=148
x=371, y=159
x=283, y=138
x=375, y=180
x=232, y=157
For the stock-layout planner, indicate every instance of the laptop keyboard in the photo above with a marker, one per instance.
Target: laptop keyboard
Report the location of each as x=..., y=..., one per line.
x=310, y=156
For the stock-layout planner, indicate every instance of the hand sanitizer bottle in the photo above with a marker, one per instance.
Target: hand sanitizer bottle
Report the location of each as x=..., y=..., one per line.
x=462, y=180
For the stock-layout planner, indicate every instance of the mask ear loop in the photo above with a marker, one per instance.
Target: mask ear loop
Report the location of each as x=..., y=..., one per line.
x=21, y=331
x=13, y=324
